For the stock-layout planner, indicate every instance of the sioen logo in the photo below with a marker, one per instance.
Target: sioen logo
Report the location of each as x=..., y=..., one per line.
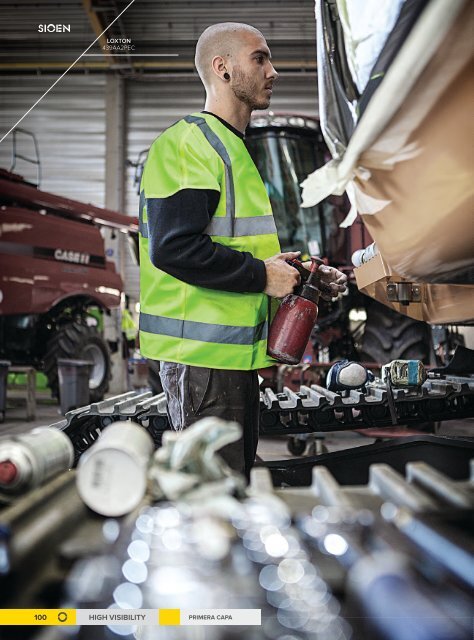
x=54, y=28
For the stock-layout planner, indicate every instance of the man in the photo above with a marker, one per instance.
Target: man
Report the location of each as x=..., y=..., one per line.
x=129, y=330
x=210, y=256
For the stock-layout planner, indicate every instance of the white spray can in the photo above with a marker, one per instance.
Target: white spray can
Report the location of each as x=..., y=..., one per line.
x=112, y=474
x=29, y=459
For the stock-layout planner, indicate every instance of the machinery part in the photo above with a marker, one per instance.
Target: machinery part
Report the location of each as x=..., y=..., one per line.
x=293, y=569
x=316, y=445
x=435, y=538
x=439, y=485
x=311, y=410
x=451, y=351
x=461, y=362
x=286, y=588
x=84, y=425
x=16, y=154
x=389, y=335
x=154, y=380
x=76, y=340
x=389, y=484
x=448, y=498
x=416, y=549
x=296, y=446
x=351, y=466
x=315, y=408
x=384, y=564
x=374, y=581
x=112, y=474
x=15, y=189
x=38, y=522
x=29, y=459
x=403, y=292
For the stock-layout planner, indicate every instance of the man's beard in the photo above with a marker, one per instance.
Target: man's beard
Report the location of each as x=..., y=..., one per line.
x=246, y=89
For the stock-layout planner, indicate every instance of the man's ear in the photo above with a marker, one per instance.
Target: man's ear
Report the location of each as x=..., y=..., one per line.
x=219, y=66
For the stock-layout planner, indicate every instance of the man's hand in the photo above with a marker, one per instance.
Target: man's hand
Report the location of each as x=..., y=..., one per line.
x=281, y=278
x=333, y=277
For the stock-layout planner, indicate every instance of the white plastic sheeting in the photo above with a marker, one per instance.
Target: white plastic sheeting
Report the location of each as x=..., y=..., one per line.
x=366, y=25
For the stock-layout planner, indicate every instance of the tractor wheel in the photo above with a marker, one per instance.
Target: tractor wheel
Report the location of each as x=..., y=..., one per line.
x=79, y=341
x=154, y=380
x=389, y=335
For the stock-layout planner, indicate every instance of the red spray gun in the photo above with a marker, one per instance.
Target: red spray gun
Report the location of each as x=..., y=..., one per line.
x=297, y=315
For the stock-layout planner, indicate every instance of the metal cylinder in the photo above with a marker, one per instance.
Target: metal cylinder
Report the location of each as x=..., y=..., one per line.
x=291, y=328
x=29, y=459
x=361, y=256
x=112, y=474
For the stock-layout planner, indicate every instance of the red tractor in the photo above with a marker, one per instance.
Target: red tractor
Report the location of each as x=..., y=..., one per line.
x=56, y=283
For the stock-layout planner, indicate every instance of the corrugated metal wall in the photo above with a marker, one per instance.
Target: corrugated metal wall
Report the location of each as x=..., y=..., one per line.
x=69, y=124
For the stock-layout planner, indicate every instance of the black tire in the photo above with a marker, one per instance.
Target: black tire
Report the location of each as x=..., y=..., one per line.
x=296, y=446
x=79, y=341
x=389, y=335
x=154, y=380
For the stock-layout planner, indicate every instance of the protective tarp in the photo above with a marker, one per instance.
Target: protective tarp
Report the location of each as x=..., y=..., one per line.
x=357, y=41
x=409, y=14
x=365, y=151
x=337, y=93
x=408, y=166
x=366, y=25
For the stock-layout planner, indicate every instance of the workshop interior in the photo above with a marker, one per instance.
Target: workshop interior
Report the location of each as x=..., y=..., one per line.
x=356, y=522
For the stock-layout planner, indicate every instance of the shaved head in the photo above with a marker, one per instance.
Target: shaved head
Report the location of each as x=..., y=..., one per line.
x=221, y=39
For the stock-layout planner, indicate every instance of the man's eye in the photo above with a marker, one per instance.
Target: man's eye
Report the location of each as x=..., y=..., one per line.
x=260, y=59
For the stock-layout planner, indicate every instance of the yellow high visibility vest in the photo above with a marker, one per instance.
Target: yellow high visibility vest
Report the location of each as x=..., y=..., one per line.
x=193, y=325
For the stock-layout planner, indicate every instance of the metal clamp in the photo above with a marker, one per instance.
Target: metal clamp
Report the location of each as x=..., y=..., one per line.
x=403, y=292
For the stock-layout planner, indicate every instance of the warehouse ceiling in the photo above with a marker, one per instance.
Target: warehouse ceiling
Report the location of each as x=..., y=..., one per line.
x=159, y=35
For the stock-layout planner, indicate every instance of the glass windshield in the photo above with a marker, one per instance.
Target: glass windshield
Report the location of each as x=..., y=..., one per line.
x=284, y=159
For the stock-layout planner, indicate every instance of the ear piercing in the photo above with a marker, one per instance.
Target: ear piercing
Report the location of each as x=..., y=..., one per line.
x=226, y=76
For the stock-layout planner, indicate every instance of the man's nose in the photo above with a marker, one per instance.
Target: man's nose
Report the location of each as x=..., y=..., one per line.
x=272, y=72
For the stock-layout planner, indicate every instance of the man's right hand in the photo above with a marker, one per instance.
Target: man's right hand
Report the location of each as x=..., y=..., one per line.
x=281, y=277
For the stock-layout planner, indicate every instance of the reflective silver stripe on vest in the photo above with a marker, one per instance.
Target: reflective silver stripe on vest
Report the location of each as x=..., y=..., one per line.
x=251, y=226
x=226, y=227
x=142, y=225
x=202, y=331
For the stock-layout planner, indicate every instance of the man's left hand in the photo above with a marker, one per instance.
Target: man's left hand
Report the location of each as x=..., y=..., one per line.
x=333, y=277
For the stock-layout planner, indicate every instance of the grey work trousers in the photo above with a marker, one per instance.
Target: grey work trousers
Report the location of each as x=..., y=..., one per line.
x=193, y=393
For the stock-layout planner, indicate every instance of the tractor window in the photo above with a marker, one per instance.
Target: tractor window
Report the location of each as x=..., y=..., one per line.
x=284, y=159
